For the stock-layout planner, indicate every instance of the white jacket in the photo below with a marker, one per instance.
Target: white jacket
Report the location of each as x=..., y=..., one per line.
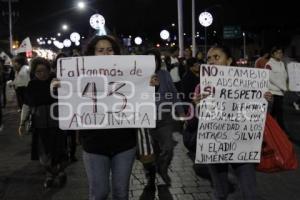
x=22, y=77
x=278, y=77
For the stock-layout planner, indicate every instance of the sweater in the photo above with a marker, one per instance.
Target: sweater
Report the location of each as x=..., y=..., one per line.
x=22, y=77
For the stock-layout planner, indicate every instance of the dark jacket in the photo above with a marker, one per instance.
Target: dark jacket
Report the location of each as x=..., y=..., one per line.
x=39, y=99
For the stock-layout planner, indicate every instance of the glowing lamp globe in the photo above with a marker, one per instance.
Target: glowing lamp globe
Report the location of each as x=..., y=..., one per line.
x=138, y=40
x=205, y=19
x=164, y=34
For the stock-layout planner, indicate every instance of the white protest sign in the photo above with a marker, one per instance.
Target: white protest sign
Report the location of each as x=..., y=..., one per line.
x=232, y=117
x=100, y=92
x=293, y=69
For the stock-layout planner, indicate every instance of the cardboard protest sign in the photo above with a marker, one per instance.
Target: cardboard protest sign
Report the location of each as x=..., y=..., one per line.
x=293, y=69
x=100, y=92
x=232, y=117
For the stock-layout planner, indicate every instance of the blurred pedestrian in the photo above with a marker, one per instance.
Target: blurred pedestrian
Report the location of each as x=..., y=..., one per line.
x=162, y=135
x=278, y=83
x=48, y=142
x=22, y=78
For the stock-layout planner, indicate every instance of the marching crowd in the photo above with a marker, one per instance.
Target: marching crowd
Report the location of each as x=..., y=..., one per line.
x=111, y=152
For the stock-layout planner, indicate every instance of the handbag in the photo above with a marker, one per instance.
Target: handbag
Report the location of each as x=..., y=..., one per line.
x=278, y=152
x=145, y=149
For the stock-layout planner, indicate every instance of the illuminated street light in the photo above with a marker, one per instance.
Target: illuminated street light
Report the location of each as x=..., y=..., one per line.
x=65, y=27
x=97, y=22
x=138, y=40
x=164, y=34
x=205, y=19
x=58, y=44
x=81, y=5
x=75, y=37
x=58, y=34
x=67, y=43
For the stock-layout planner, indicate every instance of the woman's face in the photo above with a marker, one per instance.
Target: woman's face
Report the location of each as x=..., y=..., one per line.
x=216, y=56
x=42, y=72
x=104, y=47
x=278, y=55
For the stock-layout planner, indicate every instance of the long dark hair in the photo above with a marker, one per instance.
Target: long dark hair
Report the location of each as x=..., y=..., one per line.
x=90, y=49
x=276, y=48
x=39, y=61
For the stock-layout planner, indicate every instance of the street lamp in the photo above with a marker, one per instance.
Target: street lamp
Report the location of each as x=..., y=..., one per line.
x=205, y=19
x=138, y=40
x=164, y=34
x=65, y=27
x=75, y=37
x=81, y=5
x=67, y=43
x=244, y=41
x=97, y=22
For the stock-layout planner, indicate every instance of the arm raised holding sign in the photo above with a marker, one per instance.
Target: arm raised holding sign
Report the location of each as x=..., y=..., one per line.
x=112, y=149
x=221, y=55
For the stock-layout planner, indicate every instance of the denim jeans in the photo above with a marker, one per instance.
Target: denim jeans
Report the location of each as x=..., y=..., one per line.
x=98, y=168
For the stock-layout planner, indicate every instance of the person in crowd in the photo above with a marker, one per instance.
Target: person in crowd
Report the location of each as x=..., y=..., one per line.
x=8, y=75
x=245, y=172
x=72, y=135
x=47, y=139
x=22, y=78
x=162, y=135
x=191, y=79
x=174, y=67
x=278, y=83
x=262, y=60
x=108, y=151
x=187, y=53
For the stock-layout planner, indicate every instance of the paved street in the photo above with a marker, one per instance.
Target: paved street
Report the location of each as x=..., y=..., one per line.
x=21, y=179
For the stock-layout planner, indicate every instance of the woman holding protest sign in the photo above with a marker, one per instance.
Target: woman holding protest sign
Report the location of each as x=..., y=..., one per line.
x=108, y=151
x=246, y=173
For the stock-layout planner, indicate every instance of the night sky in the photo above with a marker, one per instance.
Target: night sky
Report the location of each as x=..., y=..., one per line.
x=147, y=17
